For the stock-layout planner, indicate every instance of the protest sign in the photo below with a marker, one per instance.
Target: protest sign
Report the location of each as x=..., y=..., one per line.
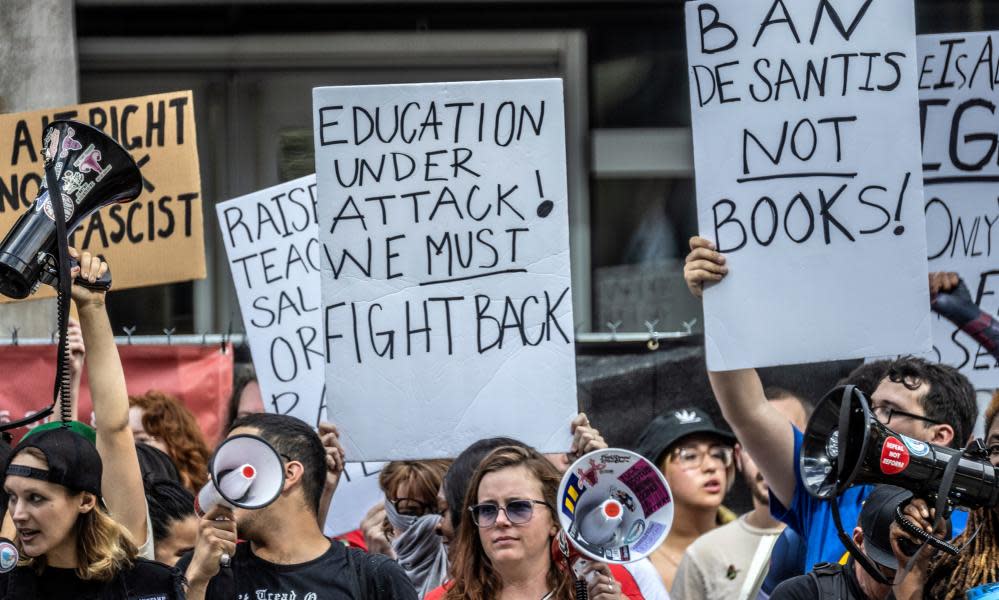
x=443, y=221
x=806, y=132
x=270, y=238
x=158, y=237
x=958, y=79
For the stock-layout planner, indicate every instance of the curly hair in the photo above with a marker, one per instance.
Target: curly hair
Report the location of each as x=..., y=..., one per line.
x=164, y=417
x=472, y=573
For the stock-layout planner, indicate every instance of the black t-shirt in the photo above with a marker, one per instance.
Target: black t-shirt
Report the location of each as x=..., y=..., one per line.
x=340, y=573
x=145, y=580
x=843, y=585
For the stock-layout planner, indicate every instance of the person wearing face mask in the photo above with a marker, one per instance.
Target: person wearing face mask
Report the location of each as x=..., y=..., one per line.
x=411, y=523
x=697, y=460
x=70, y=547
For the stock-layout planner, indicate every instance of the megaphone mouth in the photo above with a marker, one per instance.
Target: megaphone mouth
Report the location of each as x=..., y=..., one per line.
x=835, y=442
x=268, y=461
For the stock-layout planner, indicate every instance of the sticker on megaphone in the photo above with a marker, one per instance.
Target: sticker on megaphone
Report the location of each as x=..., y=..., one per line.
x=615, y=506
x=246, y=472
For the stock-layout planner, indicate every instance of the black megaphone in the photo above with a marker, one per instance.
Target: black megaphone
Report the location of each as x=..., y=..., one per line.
x=846, y=445
x=92, y=171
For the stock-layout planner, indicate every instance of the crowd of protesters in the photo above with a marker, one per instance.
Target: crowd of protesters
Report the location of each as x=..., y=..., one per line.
x=109, y=511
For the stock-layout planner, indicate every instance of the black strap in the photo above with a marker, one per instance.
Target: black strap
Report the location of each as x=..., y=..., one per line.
x=31, y=472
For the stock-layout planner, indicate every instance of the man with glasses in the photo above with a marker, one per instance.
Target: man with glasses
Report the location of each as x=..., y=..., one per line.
x=925, y=401
x=697, y=459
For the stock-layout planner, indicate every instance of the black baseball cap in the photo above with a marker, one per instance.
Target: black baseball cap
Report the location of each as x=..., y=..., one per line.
x=665, y=430
x=73, y=461
x=876, y=518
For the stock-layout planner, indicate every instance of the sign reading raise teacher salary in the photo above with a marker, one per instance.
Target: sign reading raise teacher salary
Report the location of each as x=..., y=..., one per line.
x=271, y=239
x=806, y=148
x=958, y=79
x=158, y=237
x=447, y=308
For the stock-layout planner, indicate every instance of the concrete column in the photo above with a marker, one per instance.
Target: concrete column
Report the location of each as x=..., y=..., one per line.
x=40, y=70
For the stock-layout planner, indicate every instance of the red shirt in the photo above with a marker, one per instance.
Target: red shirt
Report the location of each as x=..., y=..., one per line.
x=629, y=589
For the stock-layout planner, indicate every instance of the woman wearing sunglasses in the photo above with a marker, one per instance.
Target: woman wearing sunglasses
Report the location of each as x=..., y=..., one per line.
x=503, y=549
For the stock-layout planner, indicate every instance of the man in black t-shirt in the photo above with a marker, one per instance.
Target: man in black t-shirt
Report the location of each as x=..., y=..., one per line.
x=285, y=554
x=850, y=581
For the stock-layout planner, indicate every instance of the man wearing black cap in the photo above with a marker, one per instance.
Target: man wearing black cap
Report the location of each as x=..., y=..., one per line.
x=872, y=536
x=696, y=457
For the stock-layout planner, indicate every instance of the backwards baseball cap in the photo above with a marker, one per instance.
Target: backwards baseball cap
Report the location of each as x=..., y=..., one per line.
x=876, y=518
x=73, y=461
x=665, y=430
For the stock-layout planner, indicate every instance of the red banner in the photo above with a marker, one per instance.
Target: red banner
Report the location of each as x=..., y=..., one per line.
x=200, y=376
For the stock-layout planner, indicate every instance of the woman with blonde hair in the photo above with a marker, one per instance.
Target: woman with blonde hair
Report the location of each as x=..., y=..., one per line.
x=503, y=549
x=69, y=546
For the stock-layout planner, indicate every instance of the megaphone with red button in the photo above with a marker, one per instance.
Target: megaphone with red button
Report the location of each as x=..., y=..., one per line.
x=246, y=472
x=614, y=507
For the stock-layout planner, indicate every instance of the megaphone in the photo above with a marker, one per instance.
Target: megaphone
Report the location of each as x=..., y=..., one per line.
x=92, y=171
x=845, y=445
x=246, y=472
x=614, y=507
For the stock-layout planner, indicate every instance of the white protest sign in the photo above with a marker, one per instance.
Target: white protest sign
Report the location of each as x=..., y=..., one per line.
x=271, y=241
x=447, y=309
x=806, y=148
x=958, y=95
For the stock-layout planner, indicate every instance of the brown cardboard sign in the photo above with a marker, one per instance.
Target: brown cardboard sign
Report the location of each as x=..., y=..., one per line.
x=157, y=238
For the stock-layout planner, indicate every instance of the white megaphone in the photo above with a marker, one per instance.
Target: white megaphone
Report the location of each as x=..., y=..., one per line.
x=614, y=507
x=246, y=472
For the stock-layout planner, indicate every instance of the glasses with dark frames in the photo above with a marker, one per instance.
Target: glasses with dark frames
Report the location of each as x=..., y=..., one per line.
x=885, y=414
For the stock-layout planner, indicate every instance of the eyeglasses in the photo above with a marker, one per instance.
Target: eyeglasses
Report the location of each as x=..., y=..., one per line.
x=884, y=414
x=690, y=458
x=993, y=450
x=410, y=507
x=517, y=512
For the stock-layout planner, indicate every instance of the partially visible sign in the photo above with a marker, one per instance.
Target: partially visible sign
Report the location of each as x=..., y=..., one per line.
x=158, y=237
x=958, y=97
x=806, y=146
x=270, y=238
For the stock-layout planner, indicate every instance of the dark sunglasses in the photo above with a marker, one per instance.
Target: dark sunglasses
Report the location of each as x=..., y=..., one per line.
x=517, y=512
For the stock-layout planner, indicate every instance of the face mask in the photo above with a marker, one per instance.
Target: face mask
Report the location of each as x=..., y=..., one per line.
x=399, y=522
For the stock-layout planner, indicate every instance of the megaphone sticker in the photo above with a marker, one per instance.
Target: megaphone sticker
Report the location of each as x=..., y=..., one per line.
x=894, y=456
x=916, y=447
x=615, y=506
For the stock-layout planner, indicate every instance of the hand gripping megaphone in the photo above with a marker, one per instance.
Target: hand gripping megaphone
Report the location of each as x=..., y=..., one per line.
x=91, y=171
x=845, y=445
x=614, y=506
x=246, y=472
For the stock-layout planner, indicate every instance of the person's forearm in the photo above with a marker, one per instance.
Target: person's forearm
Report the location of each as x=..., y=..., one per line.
x=196, y=590
x=760, y=427
x=324, y=504
x=957, y=307
x=106, y=377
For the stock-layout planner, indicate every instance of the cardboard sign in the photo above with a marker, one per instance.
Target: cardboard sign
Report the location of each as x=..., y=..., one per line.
x=806, y=148
x=447, y=308
x=158, y=237
x=958, y=95
x=271, y=241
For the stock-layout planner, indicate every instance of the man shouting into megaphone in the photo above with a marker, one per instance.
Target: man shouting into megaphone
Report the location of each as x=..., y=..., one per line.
x=285, y=553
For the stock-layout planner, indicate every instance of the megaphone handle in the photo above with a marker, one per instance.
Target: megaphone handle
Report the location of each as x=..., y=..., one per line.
x=917, y=531
x=102, y=284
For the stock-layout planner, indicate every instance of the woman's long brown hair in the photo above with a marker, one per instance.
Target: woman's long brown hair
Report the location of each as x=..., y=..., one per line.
x=473, y=577
x=163, y=416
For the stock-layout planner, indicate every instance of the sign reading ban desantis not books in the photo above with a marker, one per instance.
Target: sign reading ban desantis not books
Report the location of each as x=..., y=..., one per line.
x=447, y=308
x=806, y=147
x=158, y=237
x=958, y=93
